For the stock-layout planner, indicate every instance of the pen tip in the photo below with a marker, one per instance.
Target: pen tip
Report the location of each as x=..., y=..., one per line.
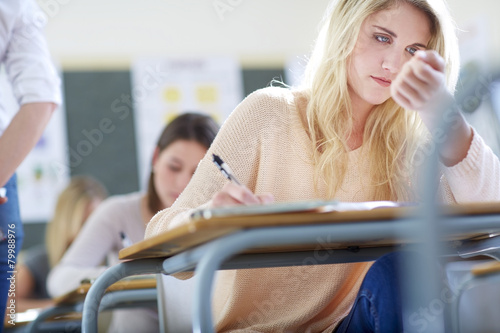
x=217, y=159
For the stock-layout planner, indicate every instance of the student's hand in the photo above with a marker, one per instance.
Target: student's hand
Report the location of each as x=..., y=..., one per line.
x=421, y=84
x=233, y=194
x=3, y=200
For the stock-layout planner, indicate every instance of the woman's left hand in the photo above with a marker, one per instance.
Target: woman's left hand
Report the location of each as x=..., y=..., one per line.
x=421, y=83
x=421, y=86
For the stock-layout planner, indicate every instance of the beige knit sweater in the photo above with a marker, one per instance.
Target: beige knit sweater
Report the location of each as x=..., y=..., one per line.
x=268, y=149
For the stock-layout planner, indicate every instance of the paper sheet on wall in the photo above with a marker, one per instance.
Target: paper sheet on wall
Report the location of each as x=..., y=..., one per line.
x=45, y=171
x=165, y=87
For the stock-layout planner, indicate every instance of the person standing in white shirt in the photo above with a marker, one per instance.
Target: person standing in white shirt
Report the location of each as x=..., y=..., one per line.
x=36, y=86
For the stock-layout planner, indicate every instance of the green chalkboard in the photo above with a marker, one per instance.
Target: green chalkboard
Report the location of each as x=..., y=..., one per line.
x=254, y=79
x=100, y=125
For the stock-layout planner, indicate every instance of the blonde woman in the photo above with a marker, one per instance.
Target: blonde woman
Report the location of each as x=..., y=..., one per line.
x=380, y=73
x=74, y=205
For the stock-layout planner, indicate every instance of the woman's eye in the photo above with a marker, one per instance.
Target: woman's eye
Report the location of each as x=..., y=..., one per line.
x=174, y=168
x=382, y=39
x=411, y=50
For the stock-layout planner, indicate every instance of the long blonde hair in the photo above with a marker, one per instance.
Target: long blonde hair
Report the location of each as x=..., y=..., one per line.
x=392, y=134
x=72, y=208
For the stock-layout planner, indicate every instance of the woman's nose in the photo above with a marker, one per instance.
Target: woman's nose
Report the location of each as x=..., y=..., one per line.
x=393, y=62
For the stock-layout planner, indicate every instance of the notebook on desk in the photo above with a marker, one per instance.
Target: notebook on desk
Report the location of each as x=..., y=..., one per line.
x=316, y=206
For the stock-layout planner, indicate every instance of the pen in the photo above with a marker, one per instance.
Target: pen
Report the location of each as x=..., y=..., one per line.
x=126, y=242
x=225, y=169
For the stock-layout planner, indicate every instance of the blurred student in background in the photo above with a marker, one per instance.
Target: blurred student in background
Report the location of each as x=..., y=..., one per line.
x=36, y=87
x=73, y=207
x=181, y=146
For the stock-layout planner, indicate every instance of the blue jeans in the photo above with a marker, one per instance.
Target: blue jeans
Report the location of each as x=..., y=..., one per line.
x=10, y=243
x=377, y=307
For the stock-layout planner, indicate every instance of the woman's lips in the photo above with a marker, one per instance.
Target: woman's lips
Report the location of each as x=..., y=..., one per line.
x=382, y=81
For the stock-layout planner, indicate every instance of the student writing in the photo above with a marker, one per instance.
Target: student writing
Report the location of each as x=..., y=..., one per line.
x=380, y=73
x=180, y=147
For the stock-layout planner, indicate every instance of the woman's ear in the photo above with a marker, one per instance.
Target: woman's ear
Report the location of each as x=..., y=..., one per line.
x=156, y=154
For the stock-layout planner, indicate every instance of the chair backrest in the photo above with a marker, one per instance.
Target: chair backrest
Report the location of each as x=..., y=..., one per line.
x=478, y=298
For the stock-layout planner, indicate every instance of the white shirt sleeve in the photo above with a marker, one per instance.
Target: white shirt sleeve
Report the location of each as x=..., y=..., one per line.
x=85, y=258
x=98, y=241
x=27, y=60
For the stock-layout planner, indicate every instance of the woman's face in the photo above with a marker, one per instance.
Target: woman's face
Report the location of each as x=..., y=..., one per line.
x=174, y=167
x=386, y=41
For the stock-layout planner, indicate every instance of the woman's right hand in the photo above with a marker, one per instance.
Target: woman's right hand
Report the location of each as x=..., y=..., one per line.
x=233, y=194
x=3, y=195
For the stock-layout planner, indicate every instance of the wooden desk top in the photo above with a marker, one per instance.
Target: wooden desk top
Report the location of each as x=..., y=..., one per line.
x=201, y=230
x=486, y=268
x=79, y=293
x=24, y=318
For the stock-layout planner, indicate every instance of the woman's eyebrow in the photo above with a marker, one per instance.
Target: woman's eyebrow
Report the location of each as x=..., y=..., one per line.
x=420, y=45
x=393, y=34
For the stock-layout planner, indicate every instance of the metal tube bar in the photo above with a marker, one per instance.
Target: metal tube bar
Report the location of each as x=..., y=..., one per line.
x=110, y=276
x=216, y=252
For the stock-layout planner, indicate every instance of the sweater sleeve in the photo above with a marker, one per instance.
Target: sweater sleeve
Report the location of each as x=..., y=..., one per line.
x=477, y=177
x=85, y=258
x=238, y=143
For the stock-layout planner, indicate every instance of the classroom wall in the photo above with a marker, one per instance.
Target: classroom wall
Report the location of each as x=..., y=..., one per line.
x=110, y=33
x=478, y=19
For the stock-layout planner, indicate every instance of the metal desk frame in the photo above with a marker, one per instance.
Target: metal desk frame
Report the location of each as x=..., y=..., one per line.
x=222, y=253
x=118, y=299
